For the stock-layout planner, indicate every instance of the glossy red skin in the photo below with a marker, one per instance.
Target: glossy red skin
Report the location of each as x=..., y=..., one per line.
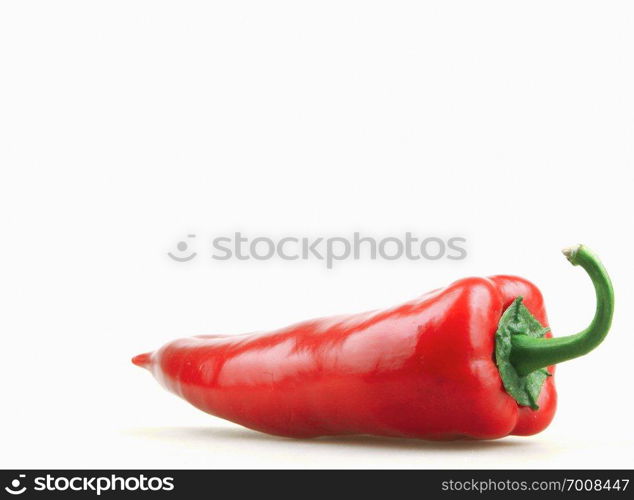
x=424, y=369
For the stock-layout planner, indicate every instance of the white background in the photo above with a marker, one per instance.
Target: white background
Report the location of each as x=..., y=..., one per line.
x=125, y=125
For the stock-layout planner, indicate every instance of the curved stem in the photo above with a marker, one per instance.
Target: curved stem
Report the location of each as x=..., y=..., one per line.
x=529, y=353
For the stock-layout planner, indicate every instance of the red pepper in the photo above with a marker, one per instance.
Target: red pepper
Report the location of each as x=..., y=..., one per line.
x=471, y=360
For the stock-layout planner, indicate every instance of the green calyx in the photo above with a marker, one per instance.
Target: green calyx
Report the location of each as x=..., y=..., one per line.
x=522, y=353
x=517, y=320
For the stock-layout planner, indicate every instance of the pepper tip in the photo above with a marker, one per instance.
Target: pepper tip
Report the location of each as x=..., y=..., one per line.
x=143, y=360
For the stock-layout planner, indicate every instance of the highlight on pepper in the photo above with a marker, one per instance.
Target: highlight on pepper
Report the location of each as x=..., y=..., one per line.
x=473, y=360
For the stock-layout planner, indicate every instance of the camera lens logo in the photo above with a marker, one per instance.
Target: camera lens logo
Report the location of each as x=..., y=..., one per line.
x=182, y=248
x=15, y=489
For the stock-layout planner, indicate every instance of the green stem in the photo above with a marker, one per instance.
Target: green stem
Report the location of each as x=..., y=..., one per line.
x=529, y=353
